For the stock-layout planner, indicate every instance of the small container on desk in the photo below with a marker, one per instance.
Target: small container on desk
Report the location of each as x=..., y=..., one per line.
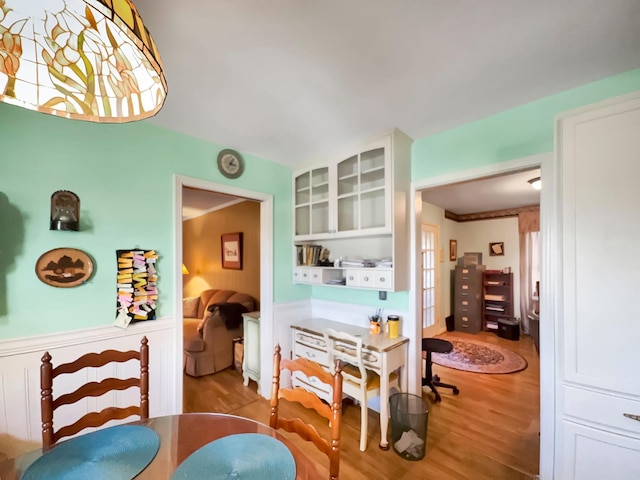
x=393, y=322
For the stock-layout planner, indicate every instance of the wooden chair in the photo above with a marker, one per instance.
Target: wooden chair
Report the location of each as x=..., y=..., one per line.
x=93, y=389
x=359, y=382
x=308, y=399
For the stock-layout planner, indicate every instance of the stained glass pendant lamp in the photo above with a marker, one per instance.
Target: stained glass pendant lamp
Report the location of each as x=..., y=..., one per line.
x=88, y=60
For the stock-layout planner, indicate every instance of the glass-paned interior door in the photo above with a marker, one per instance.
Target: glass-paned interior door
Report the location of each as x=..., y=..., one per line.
x=430, y=279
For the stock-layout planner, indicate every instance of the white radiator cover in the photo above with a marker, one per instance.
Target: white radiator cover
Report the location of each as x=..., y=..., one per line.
x=20, y=373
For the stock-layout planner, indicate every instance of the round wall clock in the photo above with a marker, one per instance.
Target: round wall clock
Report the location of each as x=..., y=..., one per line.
x=64, y=267
x=230, y=163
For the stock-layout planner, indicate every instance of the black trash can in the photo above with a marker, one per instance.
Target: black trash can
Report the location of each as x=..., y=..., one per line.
x=509, y=329
x=409, y=419
x=450, y=323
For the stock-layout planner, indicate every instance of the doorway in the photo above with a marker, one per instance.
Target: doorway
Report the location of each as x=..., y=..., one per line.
x=545, y=444
x=266, y=266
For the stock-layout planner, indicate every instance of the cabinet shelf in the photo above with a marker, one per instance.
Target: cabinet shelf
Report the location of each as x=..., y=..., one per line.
x=351, y=176
x=497, y=298
x=373, y=170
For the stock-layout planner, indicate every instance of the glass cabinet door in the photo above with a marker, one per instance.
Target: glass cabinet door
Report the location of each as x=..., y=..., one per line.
x=361, y=191
x=312, y=202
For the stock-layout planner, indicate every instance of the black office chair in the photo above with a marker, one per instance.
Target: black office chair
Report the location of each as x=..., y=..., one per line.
x=436, y=345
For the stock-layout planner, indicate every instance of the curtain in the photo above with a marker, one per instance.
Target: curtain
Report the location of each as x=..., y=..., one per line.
x=530, y=253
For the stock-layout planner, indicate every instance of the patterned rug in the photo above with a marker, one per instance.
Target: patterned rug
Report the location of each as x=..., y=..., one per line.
x=479, y=357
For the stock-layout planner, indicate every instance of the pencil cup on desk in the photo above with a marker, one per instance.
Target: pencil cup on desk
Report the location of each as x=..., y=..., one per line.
x=374, y=327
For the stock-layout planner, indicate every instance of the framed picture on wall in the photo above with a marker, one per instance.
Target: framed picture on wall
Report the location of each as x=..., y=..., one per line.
x=496, y=249
x=231, y=245
x=453, y=250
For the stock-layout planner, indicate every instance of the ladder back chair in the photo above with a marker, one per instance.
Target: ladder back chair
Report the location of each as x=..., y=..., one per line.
x=308, y=399
x=359, y=382
x=92, y=389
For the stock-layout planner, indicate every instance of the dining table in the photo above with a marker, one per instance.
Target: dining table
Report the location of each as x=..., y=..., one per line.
x=180, y=436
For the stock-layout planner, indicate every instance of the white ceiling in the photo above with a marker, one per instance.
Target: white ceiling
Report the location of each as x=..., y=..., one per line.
x=298, y=80
x=487, y=194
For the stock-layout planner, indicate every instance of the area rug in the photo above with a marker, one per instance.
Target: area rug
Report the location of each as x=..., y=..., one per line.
x=479, y=357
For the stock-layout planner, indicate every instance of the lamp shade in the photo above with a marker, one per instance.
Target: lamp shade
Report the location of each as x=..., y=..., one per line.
x=184, y=270
x=82, y=59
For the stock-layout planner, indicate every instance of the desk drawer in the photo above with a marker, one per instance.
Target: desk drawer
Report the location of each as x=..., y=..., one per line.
x=312, y=384
x=313, y=354
x=310, y=339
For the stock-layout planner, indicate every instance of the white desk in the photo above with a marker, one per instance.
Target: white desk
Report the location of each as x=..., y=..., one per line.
x=382, y=354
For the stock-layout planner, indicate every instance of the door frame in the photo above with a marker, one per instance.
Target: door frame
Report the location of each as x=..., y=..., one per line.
x=550, y=280
x=266, y=272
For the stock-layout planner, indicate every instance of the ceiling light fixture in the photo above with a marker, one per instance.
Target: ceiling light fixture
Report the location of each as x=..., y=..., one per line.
x=535, y=183
x=88, y=60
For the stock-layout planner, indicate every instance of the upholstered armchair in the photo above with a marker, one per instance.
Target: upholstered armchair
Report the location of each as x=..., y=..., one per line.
x=208, y=342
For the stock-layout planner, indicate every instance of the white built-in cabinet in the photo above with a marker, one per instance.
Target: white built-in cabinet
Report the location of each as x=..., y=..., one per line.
x=356, y=206
x=598, y=351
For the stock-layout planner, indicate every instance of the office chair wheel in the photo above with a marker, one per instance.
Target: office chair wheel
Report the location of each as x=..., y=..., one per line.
x=436, y=378
x=456, y=391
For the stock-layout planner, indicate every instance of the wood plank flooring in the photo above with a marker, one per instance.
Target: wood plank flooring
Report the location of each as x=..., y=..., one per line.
x=488, y=432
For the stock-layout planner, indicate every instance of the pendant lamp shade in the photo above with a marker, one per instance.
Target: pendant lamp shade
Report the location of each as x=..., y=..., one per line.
x=88, y=60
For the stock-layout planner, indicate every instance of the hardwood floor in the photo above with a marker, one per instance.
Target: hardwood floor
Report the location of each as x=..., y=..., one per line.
x=488, y=432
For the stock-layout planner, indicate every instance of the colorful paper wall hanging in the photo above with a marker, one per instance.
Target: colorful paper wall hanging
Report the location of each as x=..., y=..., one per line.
x=137, y=285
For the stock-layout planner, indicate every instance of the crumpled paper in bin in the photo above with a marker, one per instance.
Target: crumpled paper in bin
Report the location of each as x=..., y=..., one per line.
x=409, y=442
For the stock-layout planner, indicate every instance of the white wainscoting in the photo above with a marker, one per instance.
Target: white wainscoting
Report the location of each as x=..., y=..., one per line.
x=20, y=373
x=284, y=314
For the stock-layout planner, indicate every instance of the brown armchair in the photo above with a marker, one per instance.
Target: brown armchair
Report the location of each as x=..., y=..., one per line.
x=208, y=341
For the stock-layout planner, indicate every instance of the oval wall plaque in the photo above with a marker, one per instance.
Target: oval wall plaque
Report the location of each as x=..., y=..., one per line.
x=64, y=267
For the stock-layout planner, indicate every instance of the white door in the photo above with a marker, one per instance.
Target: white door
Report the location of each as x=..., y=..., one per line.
x=598, y=359
x=430, y=279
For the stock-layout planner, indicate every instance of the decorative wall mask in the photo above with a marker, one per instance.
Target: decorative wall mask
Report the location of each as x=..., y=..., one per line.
x=65, y=211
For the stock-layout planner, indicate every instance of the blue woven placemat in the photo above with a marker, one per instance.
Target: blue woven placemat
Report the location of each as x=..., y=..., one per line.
x=245, y=456
x=114, y=453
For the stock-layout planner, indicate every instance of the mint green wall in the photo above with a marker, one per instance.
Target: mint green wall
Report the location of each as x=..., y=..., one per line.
x=520, y=132
x=123, y=175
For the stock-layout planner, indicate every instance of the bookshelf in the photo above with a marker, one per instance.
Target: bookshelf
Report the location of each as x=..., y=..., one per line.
x=497, y=298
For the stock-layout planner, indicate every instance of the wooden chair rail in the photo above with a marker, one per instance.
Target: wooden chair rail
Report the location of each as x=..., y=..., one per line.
x=308, y=400
x=96, y=389
x=309, y=368
x=95, y=419
x=95, y=360
x=305, y=431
